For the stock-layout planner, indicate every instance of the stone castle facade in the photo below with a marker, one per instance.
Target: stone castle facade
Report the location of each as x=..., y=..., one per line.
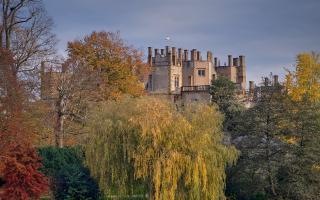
x=175, y=73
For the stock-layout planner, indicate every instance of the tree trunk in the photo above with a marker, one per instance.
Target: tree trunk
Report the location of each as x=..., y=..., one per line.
x=268, y=148
x=8, y=36
x=58, y=131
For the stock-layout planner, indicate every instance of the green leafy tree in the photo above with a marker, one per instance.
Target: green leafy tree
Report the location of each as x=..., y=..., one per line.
x=173, y=154
x=223, y=93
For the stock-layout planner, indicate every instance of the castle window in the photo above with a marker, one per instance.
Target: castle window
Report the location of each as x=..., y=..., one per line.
x=176, y=81
x=202, y=72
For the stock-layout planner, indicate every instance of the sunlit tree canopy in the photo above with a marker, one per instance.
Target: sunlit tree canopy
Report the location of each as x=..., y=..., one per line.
x=172, y=154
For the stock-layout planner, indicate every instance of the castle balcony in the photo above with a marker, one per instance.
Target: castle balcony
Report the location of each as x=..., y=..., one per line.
x=197, y=88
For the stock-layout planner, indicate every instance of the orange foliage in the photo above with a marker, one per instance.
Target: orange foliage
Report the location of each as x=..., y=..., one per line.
x=19, y=162
x=121, y=67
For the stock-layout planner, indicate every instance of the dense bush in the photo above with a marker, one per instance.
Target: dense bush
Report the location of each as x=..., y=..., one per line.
x=70, y=179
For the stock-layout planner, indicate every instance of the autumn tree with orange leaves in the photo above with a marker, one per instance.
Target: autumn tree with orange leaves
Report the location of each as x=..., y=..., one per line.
x=20, y=174
x=101, y=66
x=120, y=67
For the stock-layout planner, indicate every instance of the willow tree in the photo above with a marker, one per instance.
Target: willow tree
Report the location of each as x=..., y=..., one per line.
x=171, y=154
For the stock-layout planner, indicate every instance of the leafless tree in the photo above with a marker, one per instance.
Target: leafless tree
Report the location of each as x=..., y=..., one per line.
x=74, y=86
x=25, y=30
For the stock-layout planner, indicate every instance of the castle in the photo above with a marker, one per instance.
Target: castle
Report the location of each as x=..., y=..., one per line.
x=175, y=74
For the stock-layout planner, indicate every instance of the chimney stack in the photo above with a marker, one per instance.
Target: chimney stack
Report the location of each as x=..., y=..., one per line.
x=242, y=61
x=180, y=56
x=186, y=57
x=162, y=52
x=174, y=56
x=215, y=61
x=209, y=56
x=230, y=64
x=198, y=55
x=156, y=52
x=193, y=54
x=236, y=62
x=150, y=56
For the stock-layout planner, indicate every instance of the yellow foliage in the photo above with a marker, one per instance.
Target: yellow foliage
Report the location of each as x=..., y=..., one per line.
x=290, y=139
x=177, y=154
x=304, y=82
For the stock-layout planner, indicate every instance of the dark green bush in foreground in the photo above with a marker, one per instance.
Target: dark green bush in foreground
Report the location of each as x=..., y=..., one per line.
x=69, y=178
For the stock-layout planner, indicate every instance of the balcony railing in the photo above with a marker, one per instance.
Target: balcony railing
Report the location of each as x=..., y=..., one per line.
x=197, y=88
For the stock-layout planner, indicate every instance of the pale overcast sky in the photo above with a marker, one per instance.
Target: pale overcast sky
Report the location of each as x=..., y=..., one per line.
x=268, y=32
